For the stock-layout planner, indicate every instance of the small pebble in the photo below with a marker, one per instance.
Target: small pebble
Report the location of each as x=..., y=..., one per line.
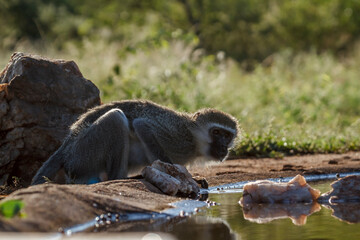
x=102, y=217
x=182, y=214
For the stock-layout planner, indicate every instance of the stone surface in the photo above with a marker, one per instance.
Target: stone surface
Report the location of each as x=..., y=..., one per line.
x=265, y=191
x=49, y=207
x=39, y=99
x=171, y=179
x=166, y=183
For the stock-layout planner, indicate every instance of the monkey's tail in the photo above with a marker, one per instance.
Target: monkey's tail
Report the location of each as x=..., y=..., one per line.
x=49, y=169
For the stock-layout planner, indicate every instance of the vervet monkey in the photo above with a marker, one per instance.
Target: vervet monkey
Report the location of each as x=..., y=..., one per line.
x=111, y=140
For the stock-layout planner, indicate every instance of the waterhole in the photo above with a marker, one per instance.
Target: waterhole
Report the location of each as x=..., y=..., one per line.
x=221, y=217
x=228, y=220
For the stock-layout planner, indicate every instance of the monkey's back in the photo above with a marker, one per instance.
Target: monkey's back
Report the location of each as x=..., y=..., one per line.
x=133, y=109
x=170, y=125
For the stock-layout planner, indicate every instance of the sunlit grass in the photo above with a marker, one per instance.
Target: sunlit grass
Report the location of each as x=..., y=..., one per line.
x=293, y=104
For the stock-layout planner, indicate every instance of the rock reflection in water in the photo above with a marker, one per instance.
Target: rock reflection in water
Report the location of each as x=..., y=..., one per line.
x=203, y=228
x=347, y=212
x=190, y=228
x=343, y=199
x=264, y=213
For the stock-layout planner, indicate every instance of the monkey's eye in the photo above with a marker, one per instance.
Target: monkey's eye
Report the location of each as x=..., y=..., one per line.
x=215, y=132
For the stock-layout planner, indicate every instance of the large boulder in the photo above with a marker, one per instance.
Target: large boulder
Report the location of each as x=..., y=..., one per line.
x=39, y=99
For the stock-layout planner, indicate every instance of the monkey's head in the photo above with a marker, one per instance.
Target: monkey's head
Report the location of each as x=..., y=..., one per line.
x=217, y=132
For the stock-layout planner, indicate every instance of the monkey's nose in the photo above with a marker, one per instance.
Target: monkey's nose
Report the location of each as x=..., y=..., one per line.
x=223, y=149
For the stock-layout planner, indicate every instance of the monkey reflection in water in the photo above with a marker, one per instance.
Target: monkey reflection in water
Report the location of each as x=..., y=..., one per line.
x=111, y=140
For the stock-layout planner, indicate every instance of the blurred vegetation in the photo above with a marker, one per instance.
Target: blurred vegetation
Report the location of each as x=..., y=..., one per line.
x=287, y=69
x=12, y=208
x=245, y=30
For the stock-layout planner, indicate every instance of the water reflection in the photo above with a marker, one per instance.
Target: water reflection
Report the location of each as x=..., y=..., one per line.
x=298, y=213
x=195, y=227
x=202, y=228
x=322, y=221
x=278, y=221
x=347, y=212
x=264, y=213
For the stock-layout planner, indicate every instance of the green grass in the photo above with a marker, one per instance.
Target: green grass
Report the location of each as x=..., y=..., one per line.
x=292, y=104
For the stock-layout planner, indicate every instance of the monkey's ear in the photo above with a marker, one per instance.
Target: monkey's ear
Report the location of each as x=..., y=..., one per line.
x=196, y=115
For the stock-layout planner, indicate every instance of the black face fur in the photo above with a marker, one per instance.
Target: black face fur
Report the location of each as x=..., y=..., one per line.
x=221, y=139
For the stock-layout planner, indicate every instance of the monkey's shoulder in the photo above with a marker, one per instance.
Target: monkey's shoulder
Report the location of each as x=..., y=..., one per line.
x=134, y=109
x=146, y=109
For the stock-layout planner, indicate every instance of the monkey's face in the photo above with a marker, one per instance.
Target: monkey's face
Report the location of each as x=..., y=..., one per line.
x=221, y=140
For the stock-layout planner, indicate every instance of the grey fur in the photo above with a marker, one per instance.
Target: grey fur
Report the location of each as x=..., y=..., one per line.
x=113, y=139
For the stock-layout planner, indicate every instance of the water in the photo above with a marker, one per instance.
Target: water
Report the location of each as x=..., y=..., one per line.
x=226, y=221
x=238, y=187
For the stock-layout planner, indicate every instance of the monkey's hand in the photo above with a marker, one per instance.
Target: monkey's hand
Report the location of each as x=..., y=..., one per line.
x=171, y=179
x=201, y=181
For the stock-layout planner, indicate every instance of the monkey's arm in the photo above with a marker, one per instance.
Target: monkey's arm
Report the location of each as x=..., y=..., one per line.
x=144, y=132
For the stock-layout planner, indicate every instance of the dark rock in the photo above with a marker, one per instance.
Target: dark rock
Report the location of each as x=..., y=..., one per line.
x=346, y=189
x=333, y=161
x=39, y=99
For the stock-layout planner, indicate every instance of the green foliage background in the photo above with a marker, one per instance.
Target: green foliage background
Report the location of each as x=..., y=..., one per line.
x=287, y=69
